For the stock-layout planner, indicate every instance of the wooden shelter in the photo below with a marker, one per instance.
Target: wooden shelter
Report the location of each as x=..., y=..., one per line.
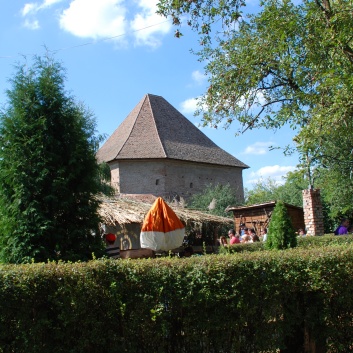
x=258, y=216
x=124, y=217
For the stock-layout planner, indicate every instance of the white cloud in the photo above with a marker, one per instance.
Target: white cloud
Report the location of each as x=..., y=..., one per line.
x=258, y=148
x=29, y=8
x=94, y=19
x=189, y=106
x=198, y=77
x=31, y=24
x=30, y=11
x=33, y=7
x=48, y=3
x=144, y=24
x=109, y=18
x=260, y=98
x=275, y=172
x=256, y=99
x=105, y=19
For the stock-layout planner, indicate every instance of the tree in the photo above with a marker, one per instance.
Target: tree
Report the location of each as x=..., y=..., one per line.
x=268, y=190
x=337, y=198
x=214, y=199
x=262, y=191
x=49, y=177
x=289, y=63
x=281, y=234
x=291, y=191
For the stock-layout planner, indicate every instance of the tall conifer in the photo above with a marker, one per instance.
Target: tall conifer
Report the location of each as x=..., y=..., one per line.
x=48, y=172
x=281, y=233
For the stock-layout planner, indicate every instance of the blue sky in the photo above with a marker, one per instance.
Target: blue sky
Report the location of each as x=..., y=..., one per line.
x=115, y=52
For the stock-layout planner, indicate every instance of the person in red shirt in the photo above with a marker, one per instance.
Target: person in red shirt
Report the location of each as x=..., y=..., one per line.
x=234, y=238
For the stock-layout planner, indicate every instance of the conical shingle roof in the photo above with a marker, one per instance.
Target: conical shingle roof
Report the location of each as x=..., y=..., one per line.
x=155, y=129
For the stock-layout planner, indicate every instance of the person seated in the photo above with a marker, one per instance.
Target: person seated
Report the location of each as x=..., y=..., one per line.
x=342, y=229
x=223, y=241
x=242, y=229
x=246, y=232
x=234, y=238
x=301, y=232
x=263, y=234
x=246, y=239
x=255, y=237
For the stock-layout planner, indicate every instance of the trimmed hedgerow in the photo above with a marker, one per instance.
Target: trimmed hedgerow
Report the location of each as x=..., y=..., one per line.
x=302, y=242
x=249, y=302
x=242, y=247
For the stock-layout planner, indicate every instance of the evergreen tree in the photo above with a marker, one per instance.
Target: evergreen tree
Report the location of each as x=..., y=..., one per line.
x=49, y=176
x=281, y=234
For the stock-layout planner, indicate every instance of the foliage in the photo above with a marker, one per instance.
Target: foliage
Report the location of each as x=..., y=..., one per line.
x=335, y=185
x=308, y=242
x=281, y=233
x=262, y=191
x=215, y=199
x=104, y=179
x=185, y=305
x=291, y=191
x=289, y=63
x=242, y=247
x=268, y=190
x=48, y=172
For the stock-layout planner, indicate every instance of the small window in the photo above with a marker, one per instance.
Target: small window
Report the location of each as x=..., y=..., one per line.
x=191, y=185
x=157, y=181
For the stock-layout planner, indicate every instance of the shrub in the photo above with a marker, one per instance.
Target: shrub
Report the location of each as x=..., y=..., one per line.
x=250, y=302
x=281, y=233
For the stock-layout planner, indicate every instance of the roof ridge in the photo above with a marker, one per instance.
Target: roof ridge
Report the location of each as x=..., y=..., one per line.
x=132, y=127
x=155, y=125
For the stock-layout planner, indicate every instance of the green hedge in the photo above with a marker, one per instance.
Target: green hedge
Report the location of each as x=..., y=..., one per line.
x=249, y=302
x=302, y=242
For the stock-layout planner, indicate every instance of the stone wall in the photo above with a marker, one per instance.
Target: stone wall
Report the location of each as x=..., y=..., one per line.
x=313, y=216
x=114, y=175
x=170, y=177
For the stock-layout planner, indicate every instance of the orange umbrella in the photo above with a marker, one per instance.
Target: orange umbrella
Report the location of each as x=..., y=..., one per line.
x=161, y=229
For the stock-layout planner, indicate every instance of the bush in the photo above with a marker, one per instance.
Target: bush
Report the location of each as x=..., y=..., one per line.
x=242, y=247
x=302, y=242
x=250, y=302
x=281, y=233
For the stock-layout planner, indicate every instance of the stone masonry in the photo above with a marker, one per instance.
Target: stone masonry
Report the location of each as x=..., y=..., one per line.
x=313, y=216
x=170, y=178
x=158, y=151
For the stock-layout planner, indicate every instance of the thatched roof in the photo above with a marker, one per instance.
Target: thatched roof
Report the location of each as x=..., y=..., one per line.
x=124, y=211
x=156, y=130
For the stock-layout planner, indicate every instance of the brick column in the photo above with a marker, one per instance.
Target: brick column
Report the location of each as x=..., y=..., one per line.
x=313, y=216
